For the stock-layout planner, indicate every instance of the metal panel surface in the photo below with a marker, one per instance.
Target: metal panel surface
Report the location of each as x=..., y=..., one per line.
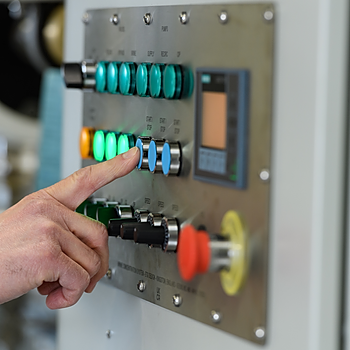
x=244, y=42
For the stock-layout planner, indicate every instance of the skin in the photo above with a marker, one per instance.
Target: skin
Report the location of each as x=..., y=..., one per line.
x=44, y=244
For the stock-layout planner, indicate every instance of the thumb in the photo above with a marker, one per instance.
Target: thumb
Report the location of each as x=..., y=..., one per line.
x=74, y=189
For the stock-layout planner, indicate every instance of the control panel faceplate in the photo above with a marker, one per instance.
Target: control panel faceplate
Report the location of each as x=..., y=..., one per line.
x=205, y=38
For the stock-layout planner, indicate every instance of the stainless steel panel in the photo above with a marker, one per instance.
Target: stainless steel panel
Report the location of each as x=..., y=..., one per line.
x=245, y=41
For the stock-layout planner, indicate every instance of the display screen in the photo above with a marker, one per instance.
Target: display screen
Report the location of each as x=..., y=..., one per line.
x=214, y=119
x=221, y=129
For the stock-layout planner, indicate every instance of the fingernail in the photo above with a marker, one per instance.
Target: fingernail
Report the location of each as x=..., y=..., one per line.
x=130, y=153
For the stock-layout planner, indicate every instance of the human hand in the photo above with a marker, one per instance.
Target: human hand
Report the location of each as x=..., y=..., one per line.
x=44, y=244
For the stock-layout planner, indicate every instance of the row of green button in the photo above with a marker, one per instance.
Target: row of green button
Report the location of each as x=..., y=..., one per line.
x=108, y=144
x=157, y=80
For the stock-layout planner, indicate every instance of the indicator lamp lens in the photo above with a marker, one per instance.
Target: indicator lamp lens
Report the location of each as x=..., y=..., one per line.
x=99, y=145
x=86, y=141
x=111, y=145
x=123, y=144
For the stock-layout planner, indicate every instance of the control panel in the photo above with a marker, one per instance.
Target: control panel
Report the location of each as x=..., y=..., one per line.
x=190, y=86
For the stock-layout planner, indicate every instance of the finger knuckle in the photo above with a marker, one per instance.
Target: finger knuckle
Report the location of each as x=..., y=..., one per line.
x=102, y=233
x=48, y=229
x=36, y=206
x=95, y=264
x=84, y=280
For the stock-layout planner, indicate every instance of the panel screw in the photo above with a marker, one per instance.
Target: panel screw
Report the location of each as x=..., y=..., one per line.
x=264, y=175
x=86, y=18
x=114, y=19
x=223, y=17
x=147, y=18
x=109, y=274
x=259, y=332
x=216, y=316
x=183, y=17
x=109, y=334
x=177, y=300
x=141, y=286
x=268, y=15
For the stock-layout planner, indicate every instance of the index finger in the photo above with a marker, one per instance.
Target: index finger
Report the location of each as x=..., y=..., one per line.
x=74, y=189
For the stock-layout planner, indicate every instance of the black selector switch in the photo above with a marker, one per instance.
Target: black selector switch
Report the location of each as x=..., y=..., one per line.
x=114, y=226
x=127, y=229
x=79, y=75
x=73, y=76
x=147, y=234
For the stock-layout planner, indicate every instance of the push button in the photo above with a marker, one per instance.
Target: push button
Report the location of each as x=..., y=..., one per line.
x=101, y=76
x=172, y=82
x=155, y=155
x=142, y=144
x=142, y=79
x=156, y=80
x=171, y=158
x=127, y=73
x=201, y=252
x=113, y=77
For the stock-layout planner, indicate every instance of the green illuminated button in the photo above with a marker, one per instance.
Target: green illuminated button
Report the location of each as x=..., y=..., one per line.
x=99, y=145
x=172, y=82
x=156, y=80
x=142, y=79
x=111, y=145
x=125, y=142
x=127, y=74
x=112, y=77
x=101, y=76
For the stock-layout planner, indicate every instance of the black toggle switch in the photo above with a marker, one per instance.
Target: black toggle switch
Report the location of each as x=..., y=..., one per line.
x=114, y=226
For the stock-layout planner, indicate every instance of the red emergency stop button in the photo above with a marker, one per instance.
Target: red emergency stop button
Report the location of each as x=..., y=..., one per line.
x=193, y=252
